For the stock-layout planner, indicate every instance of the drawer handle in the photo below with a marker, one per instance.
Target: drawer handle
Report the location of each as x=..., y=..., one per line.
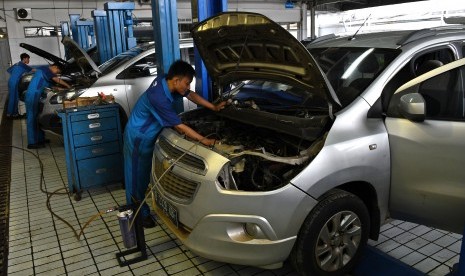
x=99, y=150
x=94, y=125
x=93, y=116
x=102, y=170
x=96, y=138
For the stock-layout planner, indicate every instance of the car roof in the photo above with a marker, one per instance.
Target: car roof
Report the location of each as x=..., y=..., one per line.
x=388, y=39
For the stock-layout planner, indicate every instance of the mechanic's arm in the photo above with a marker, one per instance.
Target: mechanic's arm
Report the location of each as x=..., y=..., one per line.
x=189, y=132
x=196, y=98
x=60, y=81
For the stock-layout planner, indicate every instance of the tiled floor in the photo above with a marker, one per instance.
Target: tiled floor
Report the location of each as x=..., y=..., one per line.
x=39, y=244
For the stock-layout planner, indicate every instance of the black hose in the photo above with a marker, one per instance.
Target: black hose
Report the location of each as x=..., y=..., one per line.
x=56, y=192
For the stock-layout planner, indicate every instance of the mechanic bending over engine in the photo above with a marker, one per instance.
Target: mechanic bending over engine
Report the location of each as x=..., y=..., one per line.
x=16, y=71
x=42, y=78
x=153, y=111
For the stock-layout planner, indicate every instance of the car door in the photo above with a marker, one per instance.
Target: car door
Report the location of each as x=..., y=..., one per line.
x=428, y=157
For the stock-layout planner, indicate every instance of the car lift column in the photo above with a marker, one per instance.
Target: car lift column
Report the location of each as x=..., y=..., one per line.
x=102, y=34
x=81, y=31
x=202, y=9
x=64, y=25
x=166, y=34
x=119, y=17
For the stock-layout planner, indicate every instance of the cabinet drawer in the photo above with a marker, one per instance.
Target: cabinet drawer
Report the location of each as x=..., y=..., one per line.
x=97, y=150
x=100, y=170
x=92, y=115
x=94, y=138
x=93, y=125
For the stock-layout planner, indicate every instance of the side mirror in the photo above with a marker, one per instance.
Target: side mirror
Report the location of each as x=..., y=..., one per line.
x=412, y=107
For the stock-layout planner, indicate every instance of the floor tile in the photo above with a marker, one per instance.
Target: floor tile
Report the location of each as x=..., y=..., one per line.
x=40, y=239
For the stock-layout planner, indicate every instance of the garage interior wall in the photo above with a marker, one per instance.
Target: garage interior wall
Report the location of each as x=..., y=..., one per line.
x=407, y=16
x=50, y=13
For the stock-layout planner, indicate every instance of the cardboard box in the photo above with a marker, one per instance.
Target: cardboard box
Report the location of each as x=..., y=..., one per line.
x=69, y=104
x=85, y=101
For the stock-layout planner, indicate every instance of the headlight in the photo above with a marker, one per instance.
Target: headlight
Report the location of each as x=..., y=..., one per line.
x=56, y=99
x=74, y=93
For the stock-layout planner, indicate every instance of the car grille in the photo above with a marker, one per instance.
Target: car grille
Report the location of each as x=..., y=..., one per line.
x=176, y=187
x=186, y=159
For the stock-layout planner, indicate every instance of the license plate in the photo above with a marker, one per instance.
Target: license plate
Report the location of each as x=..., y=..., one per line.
x=170, y=211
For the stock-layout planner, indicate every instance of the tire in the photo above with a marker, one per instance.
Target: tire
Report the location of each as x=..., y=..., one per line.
x=338, y=254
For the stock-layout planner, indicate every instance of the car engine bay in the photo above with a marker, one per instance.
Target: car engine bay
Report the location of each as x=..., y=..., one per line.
x=261, y=158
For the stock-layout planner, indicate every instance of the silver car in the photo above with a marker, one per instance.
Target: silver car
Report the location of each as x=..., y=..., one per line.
x=315, y=151
x=125, y=76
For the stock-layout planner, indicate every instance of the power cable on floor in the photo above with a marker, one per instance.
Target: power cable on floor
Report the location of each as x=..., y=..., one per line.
x=56, y=192
x=100, y=213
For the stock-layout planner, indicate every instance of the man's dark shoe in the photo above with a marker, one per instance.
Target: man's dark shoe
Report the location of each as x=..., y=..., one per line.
x=35, y=146
x=148, y=222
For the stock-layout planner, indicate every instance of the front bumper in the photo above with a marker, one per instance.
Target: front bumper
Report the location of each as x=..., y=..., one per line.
x=212, y=220
x=223, y=238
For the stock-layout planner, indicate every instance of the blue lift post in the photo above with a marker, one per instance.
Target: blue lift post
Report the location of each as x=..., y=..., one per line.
x=82, y=31
x=103, y=34
x=85, y=33
x=64, y=25
x=166, y=34
x=202, y=9
x=73, y=18
x=120, y=27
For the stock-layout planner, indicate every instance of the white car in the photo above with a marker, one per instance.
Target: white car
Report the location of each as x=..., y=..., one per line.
x=125, y=76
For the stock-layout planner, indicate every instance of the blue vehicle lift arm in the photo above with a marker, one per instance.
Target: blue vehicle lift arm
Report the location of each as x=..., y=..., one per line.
x=203, y=9
x=166, y=34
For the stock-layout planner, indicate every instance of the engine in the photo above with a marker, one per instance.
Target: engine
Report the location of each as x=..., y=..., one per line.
x=260, y=159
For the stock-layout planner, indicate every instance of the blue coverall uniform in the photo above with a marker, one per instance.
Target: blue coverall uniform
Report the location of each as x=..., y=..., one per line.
x=42, y=78
x=153, y=111
x=16, y=71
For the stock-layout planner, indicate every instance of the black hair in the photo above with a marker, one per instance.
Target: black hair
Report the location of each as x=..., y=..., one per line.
x=23, y=56
x=180, y=68
x=57, y=65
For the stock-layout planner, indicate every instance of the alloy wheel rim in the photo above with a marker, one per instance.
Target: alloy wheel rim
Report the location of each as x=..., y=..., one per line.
x=338, y=241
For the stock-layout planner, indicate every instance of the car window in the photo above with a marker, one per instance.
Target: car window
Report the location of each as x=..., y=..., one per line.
x=114, y=62
x=351, y=70
x=443, y=96
x=144, y=67
x=422, y=62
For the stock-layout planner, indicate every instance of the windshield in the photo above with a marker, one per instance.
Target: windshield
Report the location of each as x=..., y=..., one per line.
x=116, y=61
x=351, y=70
x=275, y=97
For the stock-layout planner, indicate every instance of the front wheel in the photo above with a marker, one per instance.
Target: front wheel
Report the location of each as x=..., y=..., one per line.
x=333, y=236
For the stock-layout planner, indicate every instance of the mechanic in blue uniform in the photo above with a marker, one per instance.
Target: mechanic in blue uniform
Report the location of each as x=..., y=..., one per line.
x=152, y=112
x=16, y=71
x=43, y=77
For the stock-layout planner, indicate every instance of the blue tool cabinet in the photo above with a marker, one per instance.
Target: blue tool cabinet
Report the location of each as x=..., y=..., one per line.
x=93, y=146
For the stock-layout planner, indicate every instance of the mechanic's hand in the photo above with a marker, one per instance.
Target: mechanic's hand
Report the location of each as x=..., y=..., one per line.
x=208, y=142
x=220, y=106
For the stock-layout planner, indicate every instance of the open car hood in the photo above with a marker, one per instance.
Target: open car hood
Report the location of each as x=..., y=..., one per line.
x=44, y=54
x=243, y=46
x=81, y=58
